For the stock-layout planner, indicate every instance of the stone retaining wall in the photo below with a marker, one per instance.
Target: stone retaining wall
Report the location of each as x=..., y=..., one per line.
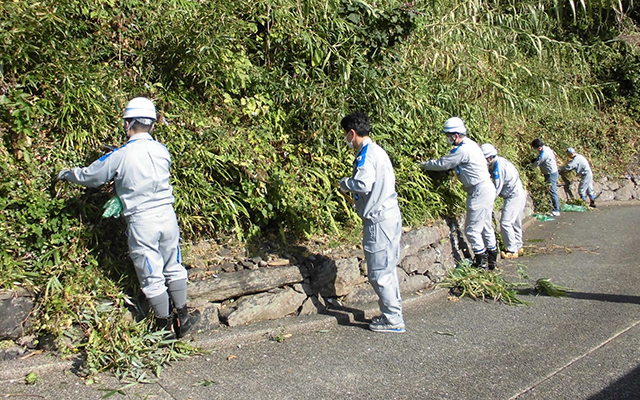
x=604, y=189
x=15, y=310
x=427, y=254
x=316, y=281
x=252, y=289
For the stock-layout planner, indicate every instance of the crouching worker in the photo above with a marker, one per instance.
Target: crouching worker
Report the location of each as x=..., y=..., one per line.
x=140, y=171
x=374, y=185
x=580, y=164
x=508, y=186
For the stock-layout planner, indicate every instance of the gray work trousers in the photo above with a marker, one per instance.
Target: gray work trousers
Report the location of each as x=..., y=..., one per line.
x=511, y=220
x=478, y=224
x=154, y=248
x=381, y=243
x=586, y=186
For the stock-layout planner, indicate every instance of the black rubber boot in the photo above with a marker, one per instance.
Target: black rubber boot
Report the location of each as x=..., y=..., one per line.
x=492, y=259
x=166, y=325
x=185, y=321
x=481, y=260
x=592, y=204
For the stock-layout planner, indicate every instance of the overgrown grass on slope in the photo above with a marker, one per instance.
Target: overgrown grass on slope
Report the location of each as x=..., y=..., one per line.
x=250, y=95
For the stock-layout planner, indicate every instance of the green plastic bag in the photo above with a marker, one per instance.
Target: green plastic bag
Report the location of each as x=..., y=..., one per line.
x=112, y=208
x=542, y=217
x=573, y=207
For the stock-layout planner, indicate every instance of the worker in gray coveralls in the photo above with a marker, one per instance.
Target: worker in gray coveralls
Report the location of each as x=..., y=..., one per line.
x=546, y=160
x=580, y=164
x=506, y=178
x=471, y=168
x=140, y=171
x=373, y=184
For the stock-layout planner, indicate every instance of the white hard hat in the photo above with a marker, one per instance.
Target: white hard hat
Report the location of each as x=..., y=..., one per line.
x=454, y=125
x=571, y=150
x=140, y=107
x=488, y=150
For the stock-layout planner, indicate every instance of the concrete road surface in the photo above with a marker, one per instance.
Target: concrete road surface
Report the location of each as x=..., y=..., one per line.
x=585, y=346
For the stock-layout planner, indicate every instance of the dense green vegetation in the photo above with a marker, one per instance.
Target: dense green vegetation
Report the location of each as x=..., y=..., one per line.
x=250, y=94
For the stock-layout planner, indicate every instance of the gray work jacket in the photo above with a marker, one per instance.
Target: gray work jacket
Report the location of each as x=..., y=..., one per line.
x=580, y=164
x=506, y=178
x=546, y=161
x=468, y=160
x=139, y=170
x=374, y=184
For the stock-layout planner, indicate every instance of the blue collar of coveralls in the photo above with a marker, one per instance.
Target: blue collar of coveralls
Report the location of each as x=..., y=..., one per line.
x=362, y=152
x=458, y=146
x=364, y=144
x=496, y=170
x=456, y=149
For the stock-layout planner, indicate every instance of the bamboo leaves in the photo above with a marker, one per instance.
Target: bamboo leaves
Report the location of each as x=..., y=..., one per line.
x=466, y=280
x=549, y=288
x=250, y=94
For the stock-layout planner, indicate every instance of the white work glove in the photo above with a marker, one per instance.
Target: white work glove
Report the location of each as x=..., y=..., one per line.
x=343, y=185
x=62, y=175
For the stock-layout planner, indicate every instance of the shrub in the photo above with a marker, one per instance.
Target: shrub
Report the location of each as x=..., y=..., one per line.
x=250, y=95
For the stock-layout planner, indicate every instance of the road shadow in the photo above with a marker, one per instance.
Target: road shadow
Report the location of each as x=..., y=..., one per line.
x=611, y=298
x=460, y=249
x=347, y=316
x=625, y=388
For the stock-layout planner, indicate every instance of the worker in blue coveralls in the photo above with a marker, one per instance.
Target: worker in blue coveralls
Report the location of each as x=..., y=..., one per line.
x=471, y=168
x=546, y=160
x=140, y=171
x=373, y=184
x=580, y=164
x=506, y=179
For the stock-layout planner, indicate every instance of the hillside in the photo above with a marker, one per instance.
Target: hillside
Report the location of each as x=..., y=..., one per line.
x=250, y=95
